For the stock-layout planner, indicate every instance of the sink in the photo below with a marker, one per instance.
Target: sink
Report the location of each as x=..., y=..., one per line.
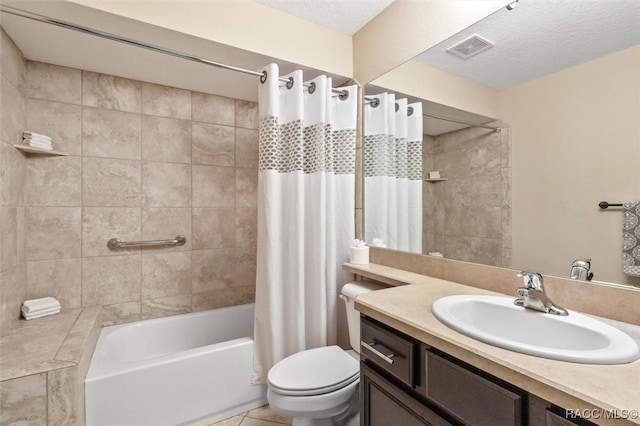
x=497, y=321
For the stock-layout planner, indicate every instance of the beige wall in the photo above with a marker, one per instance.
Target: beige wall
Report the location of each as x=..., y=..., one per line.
x=407, y=28
x=146, y=162
x=576, y=142
x=422, y=81
x=13, y=165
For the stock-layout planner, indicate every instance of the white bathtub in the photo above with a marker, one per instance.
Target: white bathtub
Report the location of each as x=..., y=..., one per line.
x=174, y=370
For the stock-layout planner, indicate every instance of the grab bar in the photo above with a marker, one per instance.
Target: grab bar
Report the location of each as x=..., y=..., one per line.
x=116, y=243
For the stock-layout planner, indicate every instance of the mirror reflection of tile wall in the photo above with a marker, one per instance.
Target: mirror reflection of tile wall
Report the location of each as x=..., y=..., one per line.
x=468, y=216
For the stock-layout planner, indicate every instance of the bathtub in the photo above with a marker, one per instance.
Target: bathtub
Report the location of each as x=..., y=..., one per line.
x=185, y=369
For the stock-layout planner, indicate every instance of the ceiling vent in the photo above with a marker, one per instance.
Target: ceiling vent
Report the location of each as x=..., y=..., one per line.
x=470, y=47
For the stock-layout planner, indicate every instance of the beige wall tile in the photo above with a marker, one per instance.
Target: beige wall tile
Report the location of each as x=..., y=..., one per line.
x=247, y=148
x=12, y=175
x=166, y=274
x=246, y=187
x=13, y=105
x=109, y=133
x=221, y=298
x=9, y=243
x=120, y=313
x=53, y=83
x=166, y=184
x=246, y=227
x=213, y=186
x=107, y=91
x=54, y=181
x=165, y=306
x=212, y=228
x=485, y=156
x=13, y=66
x=62, y=395
x=246, y=260
x=14, y=292
x=213, y=144
x=166, y=101
x=24, y=401
x=212, y=269
x=100, y=224
x=247, y=114
x=62, y=122
x=166, y=139
x=111, y=183
x=58, y=278
x=161, y=223
x=110, y=280
x=487, y=251
x=53, y=232
x=213, y=109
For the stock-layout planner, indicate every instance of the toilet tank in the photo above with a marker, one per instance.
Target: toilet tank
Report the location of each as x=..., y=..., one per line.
x=349, y=293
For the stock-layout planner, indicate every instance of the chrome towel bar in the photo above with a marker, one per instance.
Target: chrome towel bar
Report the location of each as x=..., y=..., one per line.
x=116, y=243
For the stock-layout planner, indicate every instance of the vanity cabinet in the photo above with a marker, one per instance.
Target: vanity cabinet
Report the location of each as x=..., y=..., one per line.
x=406, y=383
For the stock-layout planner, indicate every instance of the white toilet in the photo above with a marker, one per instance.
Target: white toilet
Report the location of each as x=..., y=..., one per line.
x=319, y=387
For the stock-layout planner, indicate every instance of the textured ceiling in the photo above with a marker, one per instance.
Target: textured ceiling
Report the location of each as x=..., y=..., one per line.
x=539, y=37
x=346, y=16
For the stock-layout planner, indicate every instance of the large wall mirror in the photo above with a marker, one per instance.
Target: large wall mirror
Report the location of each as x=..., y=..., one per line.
x=552, y=89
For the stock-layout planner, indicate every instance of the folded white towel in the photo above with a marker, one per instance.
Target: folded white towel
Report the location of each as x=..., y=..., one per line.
x=35, y=135
x=39, y=140
x=40, y=304
x=40, y=314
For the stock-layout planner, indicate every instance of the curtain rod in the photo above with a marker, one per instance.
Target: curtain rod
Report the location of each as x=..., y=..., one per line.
x=343, y=94
x=374, y=102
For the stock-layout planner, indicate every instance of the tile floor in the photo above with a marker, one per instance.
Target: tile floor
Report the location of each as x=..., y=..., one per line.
x=262, y=416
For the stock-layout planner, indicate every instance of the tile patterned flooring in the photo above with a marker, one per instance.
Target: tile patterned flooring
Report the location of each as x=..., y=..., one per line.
x=262, y=416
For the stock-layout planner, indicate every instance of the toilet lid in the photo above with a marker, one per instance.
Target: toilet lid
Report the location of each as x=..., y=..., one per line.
x=314, y=371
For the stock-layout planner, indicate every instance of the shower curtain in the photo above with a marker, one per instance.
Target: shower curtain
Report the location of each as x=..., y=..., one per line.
x=393, y=173
x=306, y=187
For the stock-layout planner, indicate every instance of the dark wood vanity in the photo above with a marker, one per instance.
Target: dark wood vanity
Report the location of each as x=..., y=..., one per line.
x=406, y=382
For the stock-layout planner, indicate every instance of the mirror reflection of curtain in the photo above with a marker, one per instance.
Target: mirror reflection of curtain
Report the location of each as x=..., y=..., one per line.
x=393, y=173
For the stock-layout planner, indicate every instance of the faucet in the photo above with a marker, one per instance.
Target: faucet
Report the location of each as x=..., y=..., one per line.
x=534, y=297
x=580, y=270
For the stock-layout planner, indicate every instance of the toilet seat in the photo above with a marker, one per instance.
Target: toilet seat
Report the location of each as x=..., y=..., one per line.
x=314, y=372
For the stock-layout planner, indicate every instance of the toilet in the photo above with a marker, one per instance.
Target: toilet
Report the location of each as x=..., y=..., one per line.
x=319, y=387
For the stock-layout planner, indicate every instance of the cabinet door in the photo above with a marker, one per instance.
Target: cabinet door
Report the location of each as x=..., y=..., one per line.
x=383, y=404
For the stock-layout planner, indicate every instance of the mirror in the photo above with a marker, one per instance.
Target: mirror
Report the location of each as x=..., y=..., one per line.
x=563, y=83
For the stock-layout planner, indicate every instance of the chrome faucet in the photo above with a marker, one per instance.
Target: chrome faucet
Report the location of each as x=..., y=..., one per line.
x=533, y=295
x=580, y=270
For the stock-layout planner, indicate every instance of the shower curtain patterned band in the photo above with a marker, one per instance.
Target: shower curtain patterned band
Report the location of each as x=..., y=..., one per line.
x=306, y=185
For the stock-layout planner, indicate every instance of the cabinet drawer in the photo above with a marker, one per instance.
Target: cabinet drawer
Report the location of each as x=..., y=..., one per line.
x=388, y=350
x=471, y=398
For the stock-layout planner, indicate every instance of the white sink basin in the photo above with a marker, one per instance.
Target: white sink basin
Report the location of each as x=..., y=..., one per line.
x=497, y=321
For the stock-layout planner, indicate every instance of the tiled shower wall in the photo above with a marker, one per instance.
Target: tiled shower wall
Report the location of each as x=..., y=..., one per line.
x=13, y=166
x=146, y=162
x=468, y=216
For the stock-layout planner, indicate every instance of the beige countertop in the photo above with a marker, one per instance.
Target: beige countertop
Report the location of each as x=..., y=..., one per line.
x=49, y=343
x=407, y=308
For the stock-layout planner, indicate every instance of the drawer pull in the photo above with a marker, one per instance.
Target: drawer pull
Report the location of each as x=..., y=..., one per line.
x=370, y=347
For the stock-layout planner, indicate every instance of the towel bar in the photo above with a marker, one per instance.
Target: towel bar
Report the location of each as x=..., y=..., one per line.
x=116, y=243
x=604, y=205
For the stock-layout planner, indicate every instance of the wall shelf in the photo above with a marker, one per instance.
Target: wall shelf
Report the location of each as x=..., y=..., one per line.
x=435, y=180
x=34, y=150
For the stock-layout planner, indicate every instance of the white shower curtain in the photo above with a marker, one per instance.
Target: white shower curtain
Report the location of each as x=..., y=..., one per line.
x=306, y=187
x=393, y=173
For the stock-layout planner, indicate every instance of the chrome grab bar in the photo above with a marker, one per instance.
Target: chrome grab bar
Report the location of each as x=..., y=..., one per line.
x=370, y=347
x=116, y=243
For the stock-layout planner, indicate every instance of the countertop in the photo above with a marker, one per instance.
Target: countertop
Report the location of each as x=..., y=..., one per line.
x=407, y=308
x=49, y=343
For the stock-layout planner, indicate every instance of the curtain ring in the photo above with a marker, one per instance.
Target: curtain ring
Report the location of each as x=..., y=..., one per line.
x=290, y=83
x=263, y=77
x=312, y=88
x=374, y=102
x=344, y=95
x=397, y=107
x=409, y=111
